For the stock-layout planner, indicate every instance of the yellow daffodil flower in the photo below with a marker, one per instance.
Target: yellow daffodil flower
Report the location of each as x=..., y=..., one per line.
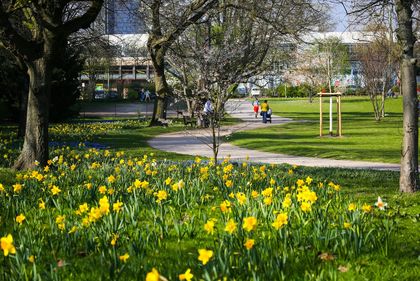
x=7, y=245
x=280, y=220
x=124, y=257
x=209, y=226
x=186, y=276
x=231, y=226
x=204, y=255
x=117, y=206
x=249, y=223
x=351, y=207
x=249, y=243
x=366, y=208
x=153, y=275
x=20, y=218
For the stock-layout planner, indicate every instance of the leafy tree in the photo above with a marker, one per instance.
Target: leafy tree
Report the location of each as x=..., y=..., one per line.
x=309, y=68
x=14, y=85
x=332, y=59
x=36, y=32
x=98, y=55
x=65, y=84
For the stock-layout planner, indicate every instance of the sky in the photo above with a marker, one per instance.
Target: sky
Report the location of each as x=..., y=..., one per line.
x=339, y=16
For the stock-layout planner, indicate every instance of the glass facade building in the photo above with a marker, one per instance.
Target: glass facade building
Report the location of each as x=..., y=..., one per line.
x=122, y=17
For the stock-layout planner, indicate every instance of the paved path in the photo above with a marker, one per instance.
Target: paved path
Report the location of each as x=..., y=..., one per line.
x=197, y=142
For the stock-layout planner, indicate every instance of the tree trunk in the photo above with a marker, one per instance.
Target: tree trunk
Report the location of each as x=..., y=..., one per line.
x=35, y=145
x=23, y=106
x=409, y=157
x=329, y=73
x=383, y=96
x=157, y=54
x=215, y=140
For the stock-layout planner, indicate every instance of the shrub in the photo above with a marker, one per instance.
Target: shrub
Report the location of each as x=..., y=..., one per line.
x=132, y=95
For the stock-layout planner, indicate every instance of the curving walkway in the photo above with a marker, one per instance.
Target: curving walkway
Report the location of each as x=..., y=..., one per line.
x=197, y=143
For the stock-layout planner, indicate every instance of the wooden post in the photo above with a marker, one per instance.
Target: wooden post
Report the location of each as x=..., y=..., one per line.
x=339, y=115
x=320, y=115
x=331, y=116
x=339, y=123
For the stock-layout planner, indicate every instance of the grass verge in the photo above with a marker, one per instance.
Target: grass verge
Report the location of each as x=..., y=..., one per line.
x=363, y=137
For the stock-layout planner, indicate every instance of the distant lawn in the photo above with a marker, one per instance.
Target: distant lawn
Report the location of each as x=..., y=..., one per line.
x=363, y=138
x=134, y=142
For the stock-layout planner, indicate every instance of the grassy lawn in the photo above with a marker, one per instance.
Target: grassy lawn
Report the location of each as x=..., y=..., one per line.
x=115, y=134
x=403, y=259
x=363, y=138
x=133, y=141
x=167, y=235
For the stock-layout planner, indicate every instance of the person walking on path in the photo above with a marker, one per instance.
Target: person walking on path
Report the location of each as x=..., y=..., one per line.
x=256, y=105
x=207, y=112
x=264, y=109
x=141, y=95
x=147, y=96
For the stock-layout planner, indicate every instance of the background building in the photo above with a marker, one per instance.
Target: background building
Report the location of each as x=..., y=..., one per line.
x=289, y=71
x=126, y=63
x=122, y=17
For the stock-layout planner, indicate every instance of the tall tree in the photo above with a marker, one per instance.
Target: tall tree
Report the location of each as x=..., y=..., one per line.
x=14, y=85
x=36, y=31
x=167, y=21
x=404, y=10
x=409, y=175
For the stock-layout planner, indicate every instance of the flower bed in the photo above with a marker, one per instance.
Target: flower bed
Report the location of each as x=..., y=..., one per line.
x=94, y=214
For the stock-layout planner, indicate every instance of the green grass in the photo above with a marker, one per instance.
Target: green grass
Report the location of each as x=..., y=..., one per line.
x=403, y=260
x=401, y=263
x=130, y=138
x=133, y=141
x=363, y=137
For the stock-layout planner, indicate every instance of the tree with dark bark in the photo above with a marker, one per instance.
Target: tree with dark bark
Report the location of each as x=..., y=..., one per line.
x=14, y=89
x=409, y=174
x=64, y=85
x=167, y=20
x=406, y=12
x=36, y=32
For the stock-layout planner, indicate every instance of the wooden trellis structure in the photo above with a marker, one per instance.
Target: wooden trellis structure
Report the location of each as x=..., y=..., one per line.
x=338, y=100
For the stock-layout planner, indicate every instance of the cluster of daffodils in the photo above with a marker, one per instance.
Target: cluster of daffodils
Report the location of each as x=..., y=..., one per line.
x=219, y=221
x=88, y=131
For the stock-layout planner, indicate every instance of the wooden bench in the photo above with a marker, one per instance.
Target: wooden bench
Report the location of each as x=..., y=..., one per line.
x=188, y=120
x=164, y=122
x=178, y=113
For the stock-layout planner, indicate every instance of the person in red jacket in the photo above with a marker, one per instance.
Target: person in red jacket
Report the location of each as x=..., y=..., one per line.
x=256, y=105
